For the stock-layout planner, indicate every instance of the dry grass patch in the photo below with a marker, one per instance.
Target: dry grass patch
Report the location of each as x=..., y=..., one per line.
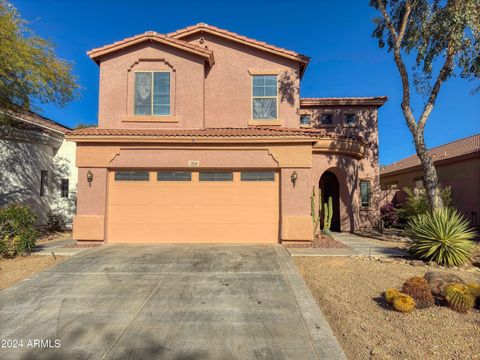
x=349, y=292
x=22, y=267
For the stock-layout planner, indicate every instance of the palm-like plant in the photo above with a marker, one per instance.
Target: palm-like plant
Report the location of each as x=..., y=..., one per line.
x=442, y=236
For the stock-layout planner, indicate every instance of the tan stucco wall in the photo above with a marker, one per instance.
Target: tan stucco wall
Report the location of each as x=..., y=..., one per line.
x=462, y=175
x=117, y=91
x=219, y=96
x=228, y=87
x=295, y=220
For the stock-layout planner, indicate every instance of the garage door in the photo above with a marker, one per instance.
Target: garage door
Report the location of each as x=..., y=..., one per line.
x=164, y=206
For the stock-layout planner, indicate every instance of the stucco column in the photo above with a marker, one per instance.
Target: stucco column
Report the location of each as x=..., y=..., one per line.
x=296, y=222
x=89, y=223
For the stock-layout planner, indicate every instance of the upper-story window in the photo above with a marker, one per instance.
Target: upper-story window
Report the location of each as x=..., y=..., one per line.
x=350, y=119
x=152, y=93
x=264, y=97
x=305, y=120
x=326, y=119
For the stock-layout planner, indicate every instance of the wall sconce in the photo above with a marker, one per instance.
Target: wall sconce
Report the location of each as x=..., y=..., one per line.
x=89, y=178
x=294, y=177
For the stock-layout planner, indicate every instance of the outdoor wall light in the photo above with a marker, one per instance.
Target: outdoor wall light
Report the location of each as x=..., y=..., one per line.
x=294, y=177
x=89, y=178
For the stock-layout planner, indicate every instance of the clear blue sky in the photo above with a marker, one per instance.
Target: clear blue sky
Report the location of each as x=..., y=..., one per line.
x=345, y=59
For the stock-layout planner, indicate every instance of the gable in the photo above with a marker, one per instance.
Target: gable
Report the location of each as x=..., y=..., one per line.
x=213, y=30
x=151, y=36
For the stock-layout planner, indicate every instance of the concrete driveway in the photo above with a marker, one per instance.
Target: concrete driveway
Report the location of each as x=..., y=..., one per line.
x=180, y=302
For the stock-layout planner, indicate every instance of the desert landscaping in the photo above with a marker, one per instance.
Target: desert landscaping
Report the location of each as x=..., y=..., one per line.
x=349, y=291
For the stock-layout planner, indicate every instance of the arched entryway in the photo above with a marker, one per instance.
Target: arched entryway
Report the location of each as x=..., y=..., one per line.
x=329, y=186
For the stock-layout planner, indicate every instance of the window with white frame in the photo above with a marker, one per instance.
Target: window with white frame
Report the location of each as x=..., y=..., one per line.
x=152, y=93
x=264, y=97
x=305, y=120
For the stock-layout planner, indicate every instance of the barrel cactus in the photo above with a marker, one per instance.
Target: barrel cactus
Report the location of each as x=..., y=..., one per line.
x=390, y=294
x=459, y=297
x=474, y=289
x=403, y=303
x=418, y=288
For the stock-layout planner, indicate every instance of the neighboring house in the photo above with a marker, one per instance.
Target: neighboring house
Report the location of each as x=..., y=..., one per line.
x=202, y=137
x=37, y=165
x=458, y=166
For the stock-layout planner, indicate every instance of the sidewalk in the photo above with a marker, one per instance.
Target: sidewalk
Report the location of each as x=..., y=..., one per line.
x=357, y=246
x=58, y=248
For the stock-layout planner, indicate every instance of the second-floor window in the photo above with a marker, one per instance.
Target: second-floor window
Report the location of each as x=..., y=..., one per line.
x=305, y=120
x=264, y=97
x=152, y=93
x=326, y=119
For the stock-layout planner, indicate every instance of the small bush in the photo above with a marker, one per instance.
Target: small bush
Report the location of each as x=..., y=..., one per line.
x=56, y=221
x=418, y=288
x=388, y=214
x=403, y=303
x=17, y=234
x=442, y=236
x=459, y=297
x=416, y=203
x=390, y=294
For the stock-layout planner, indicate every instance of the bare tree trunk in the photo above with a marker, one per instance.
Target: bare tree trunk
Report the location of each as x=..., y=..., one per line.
x=417, y=128
x=430, y=173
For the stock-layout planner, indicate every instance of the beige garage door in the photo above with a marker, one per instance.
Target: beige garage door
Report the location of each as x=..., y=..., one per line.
x=193, y=207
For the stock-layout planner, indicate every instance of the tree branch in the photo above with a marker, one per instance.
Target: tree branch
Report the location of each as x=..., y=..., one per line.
x=442, y=75
x=387, y=20
x=398, y=37
x=403, y=26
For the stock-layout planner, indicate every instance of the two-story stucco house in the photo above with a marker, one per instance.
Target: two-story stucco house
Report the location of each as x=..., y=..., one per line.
x=203, y=138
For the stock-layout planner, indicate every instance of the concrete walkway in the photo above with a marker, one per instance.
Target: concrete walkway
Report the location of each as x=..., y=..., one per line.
x=168, y=302
x=357, y=246
x=58, y=247
x=362, y=246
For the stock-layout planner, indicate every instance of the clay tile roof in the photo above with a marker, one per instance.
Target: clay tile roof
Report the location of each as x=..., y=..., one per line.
x=96, y=53
x=373, y=101
x=33, y=118
x=237, y=37
x=451, y=150
x=260, y=132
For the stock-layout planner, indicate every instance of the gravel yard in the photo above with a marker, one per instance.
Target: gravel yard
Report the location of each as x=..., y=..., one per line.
x=349, y=292
x=22, y=267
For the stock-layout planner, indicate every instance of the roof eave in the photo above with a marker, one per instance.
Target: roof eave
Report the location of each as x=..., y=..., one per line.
x=96, y=54
x=297, y=57
x=188, y=139
x=374, y=101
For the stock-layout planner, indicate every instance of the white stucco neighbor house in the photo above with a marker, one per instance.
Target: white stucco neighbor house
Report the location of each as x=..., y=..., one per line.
x=37, y=165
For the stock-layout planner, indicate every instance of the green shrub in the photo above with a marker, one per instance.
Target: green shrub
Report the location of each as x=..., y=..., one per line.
x=416, y=203
x=442, y=236
x=56, y=221
x=17, y=234
x=459, y=297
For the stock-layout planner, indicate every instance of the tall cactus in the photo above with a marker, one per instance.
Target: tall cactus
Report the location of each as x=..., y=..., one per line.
x=313, y=210
x=327, y=215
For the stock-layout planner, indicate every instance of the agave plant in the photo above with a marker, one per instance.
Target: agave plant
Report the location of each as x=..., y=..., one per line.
x=442, y=236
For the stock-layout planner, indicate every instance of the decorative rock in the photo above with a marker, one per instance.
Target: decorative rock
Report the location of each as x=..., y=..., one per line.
x=438, y=280
x=417, y=263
